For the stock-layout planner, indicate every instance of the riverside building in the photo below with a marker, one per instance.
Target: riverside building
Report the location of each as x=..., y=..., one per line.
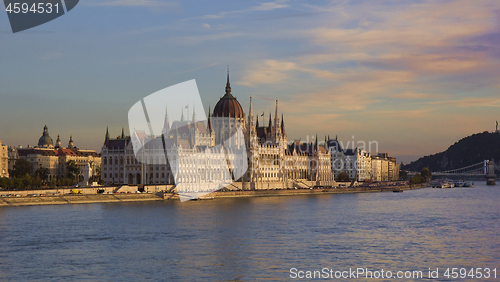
x=227, y=134
x=361, y=165
x=4, y=160
x=54, y=157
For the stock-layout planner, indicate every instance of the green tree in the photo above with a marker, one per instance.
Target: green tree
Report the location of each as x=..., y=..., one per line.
x=343, y=177
x=16, y=183
x=36, y=181
x=426, y=174
x=6, y=182
x=417, y=179
x=26, y=181
x=403, y=175
x=43, y=173
x=60, y=181
x=73, y=169
x=21, y=168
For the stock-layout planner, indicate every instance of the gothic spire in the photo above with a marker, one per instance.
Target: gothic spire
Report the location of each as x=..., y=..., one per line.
x=316, y=143
x=257, y=123
x=270, y=126
x=250, y=111
x=166, y=123
x=107, y=134
x=276, y=118
x=182, y=114
x=194, y=114
x=282, y=125
x=209, y=122
x=228, y=85
x=123, y=134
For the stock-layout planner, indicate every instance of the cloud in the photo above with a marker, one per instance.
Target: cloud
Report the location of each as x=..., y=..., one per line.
x=364, y=54
x=191, y=40
x=268, y=6
x=143, y=3
x=269, y=72
x=415, y=95
x=471, y=102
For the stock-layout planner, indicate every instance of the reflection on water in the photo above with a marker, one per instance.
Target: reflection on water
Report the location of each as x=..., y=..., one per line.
x=252, y=238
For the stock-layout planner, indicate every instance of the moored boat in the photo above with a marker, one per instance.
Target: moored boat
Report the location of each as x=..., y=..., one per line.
x=445, y=183
x=459, y=183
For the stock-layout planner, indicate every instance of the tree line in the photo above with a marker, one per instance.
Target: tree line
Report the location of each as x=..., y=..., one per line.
x=24, y=177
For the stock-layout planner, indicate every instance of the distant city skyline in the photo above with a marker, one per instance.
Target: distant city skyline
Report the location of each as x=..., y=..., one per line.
x=415, y=76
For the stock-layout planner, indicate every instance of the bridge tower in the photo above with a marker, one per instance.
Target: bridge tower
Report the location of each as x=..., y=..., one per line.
x=490, y=177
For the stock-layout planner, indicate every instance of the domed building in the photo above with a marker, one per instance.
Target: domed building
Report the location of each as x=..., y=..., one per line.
x=54, y=158
x=231, y=150
x=227, y=118
x=228, y=106
x=45, y=141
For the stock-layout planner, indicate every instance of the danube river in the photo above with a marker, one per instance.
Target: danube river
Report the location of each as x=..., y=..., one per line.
x=248, y=239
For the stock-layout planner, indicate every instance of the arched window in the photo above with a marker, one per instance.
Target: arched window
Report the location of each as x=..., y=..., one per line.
x=105, y=161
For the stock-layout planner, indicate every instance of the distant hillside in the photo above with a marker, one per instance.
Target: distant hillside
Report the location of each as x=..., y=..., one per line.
x=469, y=150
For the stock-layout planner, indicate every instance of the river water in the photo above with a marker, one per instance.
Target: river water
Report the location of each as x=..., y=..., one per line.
x=249, y=239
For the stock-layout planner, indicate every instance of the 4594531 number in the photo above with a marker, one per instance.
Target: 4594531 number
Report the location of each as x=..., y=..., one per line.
x=472, y=273
x=39, y=8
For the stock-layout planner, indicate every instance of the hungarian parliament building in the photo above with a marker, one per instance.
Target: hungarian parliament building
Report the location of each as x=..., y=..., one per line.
x=231, y=150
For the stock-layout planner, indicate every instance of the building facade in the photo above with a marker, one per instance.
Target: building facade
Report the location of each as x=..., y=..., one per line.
x=360, y=165
x=4, y=160
x=54, y=157
x=217, y=151
x=357, y=163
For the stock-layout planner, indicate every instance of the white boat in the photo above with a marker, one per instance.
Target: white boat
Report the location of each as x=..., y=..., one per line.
x=459, y=183
x=444, y=183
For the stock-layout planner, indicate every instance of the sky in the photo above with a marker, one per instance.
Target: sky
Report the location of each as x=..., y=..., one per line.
x=414, y=76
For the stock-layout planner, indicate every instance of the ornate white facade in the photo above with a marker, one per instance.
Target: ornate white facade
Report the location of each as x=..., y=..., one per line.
x=217, y=151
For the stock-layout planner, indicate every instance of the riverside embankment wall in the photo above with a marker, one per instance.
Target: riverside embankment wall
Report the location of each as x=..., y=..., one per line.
x=291, y=192
x=77, y=199
x=90, y=190
x=62, y=199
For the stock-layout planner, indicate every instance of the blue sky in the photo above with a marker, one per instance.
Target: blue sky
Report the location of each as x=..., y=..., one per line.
x=415, y=76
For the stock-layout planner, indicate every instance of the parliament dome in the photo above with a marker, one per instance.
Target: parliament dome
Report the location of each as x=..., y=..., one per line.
x=45, y=141
x=228, y=106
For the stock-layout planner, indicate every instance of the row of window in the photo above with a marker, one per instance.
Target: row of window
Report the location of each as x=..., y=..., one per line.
x=121, y=175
